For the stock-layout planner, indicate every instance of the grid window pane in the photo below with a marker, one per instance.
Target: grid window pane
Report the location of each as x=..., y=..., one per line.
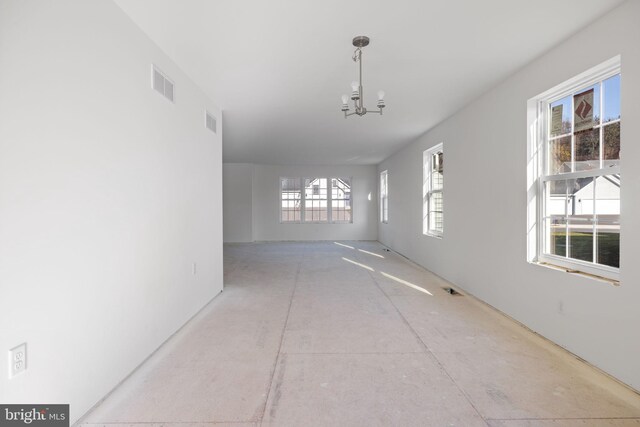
x=561, y=119
x=560, y=155
x=290, y=202
x=611, y=95
x=587, y=150
x=607, y=213
x=315, y=200
x=611, y=144
x=341, y=200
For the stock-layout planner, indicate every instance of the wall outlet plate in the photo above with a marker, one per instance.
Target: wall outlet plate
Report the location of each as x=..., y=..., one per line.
x=17, y=360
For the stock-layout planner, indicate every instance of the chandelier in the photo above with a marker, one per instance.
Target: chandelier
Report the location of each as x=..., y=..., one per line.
x=357, y=95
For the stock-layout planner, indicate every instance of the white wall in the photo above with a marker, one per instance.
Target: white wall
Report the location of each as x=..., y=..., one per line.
x=108, y=194
x=265, y=223
x=484, y=245
x=237, y=195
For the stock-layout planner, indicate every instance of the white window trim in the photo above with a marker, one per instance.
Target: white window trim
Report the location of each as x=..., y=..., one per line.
x=427, y=190
x=537, y=146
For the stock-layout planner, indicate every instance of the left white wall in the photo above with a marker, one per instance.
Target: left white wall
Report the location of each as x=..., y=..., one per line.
x=108, y=195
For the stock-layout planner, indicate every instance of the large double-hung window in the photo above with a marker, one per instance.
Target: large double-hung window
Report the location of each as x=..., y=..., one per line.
x=578, y=186
x=433, y=191
x=315, y=200
x=384, y=197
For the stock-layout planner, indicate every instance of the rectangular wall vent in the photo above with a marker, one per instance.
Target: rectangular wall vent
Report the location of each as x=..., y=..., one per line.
x=210, y=122
x=161, y=83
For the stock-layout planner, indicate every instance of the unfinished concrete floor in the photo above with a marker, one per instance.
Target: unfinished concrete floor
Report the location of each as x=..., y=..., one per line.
x=347, y=334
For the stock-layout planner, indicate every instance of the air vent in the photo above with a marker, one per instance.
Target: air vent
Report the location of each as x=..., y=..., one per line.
x=162, y=84
x=210, y=122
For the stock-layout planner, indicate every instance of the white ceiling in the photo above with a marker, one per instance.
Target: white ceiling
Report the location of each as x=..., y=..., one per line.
x=278, y=68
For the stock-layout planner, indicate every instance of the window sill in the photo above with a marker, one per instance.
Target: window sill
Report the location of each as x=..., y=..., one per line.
x=608, y=280
x=436, y=236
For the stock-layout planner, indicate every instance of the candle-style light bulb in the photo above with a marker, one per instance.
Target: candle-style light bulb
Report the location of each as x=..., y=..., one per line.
x=355, y=95
x=345, y=103
x=381, y=99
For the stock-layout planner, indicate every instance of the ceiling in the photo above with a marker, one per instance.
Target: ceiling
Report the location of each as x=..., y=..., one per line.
x=278, y=68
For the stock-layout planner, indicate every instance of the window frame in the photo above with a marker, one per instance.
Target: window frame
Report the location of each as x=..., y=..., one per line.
x=384, y=196
x=539, y=159
x=428, y=191
x=303, y=199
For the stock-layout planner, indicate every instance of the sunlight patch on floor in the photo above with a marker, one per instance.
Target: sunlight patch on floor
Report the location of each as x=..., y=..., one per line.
x=404, y=282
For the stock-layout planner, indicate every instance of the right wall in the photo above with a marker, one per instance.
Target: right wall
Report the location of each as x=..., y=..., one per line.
x=484, y=249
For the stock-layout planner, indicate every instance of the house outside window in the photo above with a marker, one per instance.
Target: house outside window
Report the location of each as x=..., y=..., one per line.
x=433, y=191
x=577, y=203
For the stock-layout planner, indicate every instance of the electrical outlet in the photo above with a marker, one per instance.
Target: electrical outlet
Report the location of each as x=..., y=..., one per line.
x=194, y=268
x=17, y=360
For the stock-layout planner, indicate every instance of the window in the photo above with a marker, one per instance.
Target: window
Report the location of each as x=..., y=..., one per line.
x=315, y=200
x=384, y=197
x=578, y=184
x=306, y=200
x=341, y=200
x=290, y=200
x=432, y=190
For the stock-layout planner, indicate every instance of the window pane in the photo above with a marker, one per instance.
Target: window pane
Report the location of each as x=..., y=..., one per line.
x=341, y=200
x=555, y=216
x=607, y=205
x=611, y=98
x=556, y=227
x=315, y=199
x=587, y=150
x=586, y=114
x=580, y=239
x=563, y=127
x=611, y=144
x=556, y=202
x=437, y=168
x=560, y=155
x=290, y=203
x=435, y=212
x=580, y=205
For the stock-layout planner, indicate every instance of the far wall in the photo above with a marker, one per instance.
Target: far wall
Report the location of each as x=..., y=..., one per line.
x=264, y=192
